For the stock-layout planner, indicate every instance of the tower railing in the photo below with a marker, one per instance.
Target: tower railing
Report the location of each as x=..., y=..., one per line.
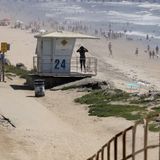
x=75, y=66
x=90, y=65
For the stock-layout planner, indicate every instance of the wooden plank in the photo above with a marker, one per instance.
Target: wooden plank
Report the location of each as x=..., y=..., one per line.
x=108, y=150
x=133, y=141
x=102, y=153
x=98, y=155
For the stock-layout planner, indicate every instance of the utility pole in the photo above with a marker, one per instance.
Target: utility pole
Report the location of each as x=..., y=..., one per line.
x=3, y=68
x=0, y=67
x=4, y=48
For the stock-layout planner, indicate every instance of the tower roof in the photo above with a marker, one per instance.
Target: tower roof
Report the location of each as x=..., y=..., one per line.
x=65, y=34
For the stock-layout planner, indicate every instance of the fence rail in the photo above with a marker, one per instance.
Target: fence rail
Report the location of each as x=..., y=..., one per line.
x=105, y=151
x=91, y=65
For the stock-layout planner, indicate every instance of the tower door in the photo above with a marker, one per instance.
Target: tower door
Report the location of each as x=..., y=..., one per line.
x=46, y=57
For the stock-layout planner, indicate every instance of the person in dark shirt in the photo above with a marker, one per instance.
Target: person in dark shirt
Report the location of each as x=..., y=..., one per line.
x=82, y=52
x=136, y=52
x=157, y=51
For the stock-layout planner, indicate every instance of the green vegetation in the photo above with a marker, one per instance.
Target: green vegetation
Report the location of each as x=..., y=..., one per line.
x=102, y=96
x=154, y=127
x=157, y=109
x=115, y=102
x=130, y=112
x=18, y=71
x=94, y=97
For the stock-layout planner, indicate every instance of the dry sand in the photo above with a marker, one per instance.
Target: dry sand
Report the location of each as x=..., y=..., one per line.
x=22, y=44
x=54, y=127
x=125, y=66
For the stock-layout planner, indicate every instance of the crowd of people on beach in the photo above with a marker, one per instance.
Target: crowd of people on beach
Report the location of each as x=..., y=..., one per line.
x=153, y=53
x=51, y=24
x=112, y=35
x=77, y=26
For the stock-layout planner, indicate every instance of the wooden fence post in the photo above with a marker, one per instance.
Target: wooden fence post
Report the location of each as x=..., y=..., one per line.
x=124, y=145
x=102, y=153
x=159, y=145
x=115, y=148
x=145, y=138
x=134, y=141
x=108, y=150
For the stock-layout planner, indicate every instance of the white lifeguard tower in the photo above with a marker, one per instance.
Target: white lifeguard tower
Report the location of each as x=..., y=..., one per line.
x=54, y=59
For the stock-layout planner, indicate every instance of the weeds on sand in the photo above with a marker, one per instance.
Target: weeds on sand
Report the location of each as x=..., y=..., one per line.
x=103, y=96
x=115, y=102
x=130, y=112
x=18, y=71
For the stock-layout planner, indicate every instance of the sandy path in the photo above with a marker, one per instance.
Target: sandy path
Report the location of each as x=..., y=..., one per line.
x=50, y=128
x=53, y=127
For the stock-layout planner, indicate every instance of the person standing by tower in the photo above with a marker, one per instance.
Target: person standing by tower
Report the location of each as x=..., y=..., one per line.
x=82, y=52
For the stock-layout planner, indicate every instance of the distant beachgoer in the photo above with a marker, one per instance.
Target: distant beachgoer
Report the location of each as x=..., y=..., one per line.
x=157, y=51
x=125, y=31
x=148, y=48
x=136, y=52
x=109, y=34
x=153, y=54
x=82, y=52
x=150, y=54
x=110, y=48
x=147, y=37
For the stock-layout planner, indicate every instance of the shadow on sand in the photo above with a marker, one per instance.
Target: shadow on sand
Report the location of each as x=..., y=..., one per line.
x=30, y=96
x=20, y=87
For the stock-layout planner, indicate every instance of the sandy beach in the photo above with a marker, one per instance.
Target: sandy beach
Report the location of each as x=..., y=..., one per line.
x=22, y=44
x=55, y=127
x=128, y=66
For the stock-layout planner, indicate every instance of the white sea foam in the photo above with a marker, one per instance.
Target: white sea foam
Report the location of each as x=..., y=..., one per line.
x=73, y=18
x=135, y=33
x=122, y=3
x=150, y=17
x=146, y=23
x=128, y=3
x=142, y=34
x=142, y=19
x=124, y=15
x=150, y=5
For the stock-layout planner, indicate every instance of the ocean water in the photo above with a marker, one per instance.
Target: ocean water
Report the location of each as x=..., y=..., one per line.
x=138, y=19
